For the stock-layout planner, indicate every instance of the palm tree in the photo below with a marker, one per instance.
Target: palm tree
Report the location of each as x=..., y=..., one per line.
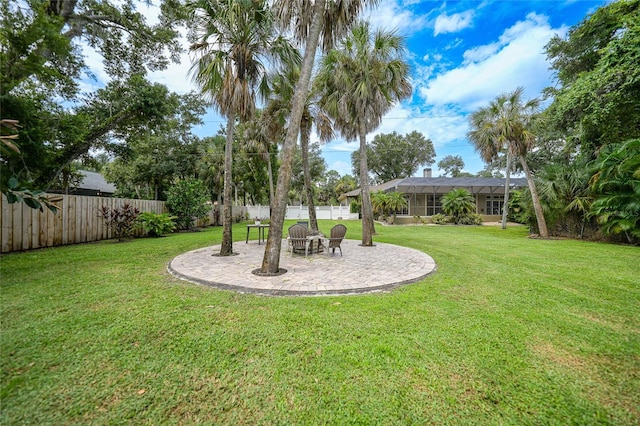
x=234, y=36
x=279, y=107
x=565, y=194
x=379, y=202
x=395, y=202
x=359, y=82
x=257, y=140
x=457, y=203
x=504, y=126
x=616, y=185
x=331, y=19
x=345, y=184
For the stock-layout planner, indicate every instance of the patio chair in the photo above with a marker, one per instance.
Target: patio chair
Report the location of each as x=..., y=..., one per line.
x=298, y=238
x=337, y=235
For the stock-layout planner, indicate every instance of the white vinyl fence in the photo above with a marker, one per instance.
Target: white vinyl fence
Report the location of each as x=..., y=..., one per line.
x=302, y=212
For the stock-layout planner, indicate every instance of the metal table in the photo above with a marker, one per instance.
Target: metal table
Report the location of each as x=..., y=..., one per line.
x=261, y=229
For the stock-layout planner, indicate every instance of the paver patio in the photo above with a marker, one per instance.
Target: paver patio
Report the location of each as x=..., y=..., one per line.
x=359, y=270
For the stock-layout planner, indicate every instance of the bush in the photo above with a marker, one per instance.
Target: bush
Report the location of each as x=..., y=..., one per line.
x=355, y=207
x=157, y=225
x=187, y=200
x=121, y=220
x=440, y=219
x=457, y=203
x=470, y=219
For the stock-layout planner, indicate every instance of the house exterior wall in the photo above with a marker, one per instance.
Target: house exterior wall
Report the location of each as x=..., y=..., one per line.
x=423, y=205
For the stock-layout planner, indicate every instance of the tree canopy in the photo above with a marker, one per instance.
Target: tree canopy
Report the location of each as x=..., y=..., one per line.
x=598, y=70
x=392, y=156
x=451, y=165
x=41, y=66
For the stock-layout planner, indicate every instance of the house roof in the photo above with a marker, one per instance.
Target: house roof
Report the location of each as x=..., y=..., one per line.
x=440, y=185
x=95, y=182
x=373, y=188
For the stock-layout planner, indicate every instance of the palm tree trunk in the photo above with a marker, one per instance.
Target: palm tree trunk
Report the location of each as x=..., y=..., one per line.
x=305, y=130
x=270, y=178
x=227, y=239
x=537, y=207
x=271, y=259
x=368, y=227
x=507, y=189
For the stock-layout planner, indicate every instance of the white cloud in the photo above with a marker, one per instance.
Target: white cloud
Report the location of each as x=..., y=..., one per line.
x=516, y=59
x=341, y=167
x=391, y=16
x=453, y=23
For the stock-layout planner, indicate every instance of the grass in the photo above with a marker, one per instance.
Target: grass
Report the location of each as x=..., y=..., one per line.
x=509, y=330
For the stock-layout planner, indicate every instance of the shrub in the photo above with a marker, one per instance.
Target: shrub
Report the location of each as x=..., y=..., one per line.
x=470, y=219
x=187, y=200
x=121, y=220
x=458, y=202
x=355, y=207
x=157, y=225
x=440, y=219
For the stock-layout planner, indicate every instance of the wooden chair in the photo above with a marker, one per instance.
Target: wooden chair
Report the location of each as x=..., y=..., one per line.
x=298, y=238
x=337, y=235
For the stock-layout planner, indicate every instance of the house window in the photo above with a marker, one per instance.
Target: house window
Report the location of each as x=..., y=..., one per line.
x=434, y=204
x=405, y=210
x=495, y=203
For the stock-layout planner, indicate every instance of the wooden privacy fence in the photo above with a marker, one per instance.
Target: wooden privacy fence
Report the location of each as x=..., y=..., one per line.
x=77, y=221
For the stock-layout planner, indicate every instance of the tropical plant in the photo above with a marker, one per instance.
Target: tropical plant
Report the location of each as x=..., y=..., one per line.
x=395, y=202
x=457, y=203
x=258, y=141
x=470, y=219
x=519, y=209
x=232, y=38
x=211, y=166
x=157, y=224
x=330, y=19
x=121, y=220
x=346, y=183
x=616, y=185
x=380, y=202
x=504, y=126
x=355, y=207
x=358, y=83
x=440, y=219
x=565, y=195
x=187, y=201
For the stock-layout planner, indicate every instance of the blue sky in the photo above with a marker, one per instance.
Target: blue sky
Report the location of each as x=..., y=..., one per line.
x=462, y=54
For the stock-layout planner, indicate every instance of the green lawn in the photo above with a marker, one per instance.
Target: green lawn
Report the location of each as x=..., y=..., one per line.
x=509, y=330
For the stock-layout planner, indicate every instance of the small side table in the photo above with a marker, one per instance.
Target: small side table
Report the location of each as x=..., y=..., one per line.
x=261, y=229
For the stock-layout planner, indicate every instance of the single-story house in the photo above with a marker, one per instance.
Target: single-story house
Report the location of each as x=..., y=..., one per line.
x=424, y=194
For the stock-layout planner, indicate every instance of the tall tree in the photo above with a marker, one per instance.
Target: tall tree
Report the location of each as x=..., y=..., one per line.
x=307, y=172
x=597, y=100
x=41, y=63
x=505, y=125
x=279, y=108
x=392, y=156
x=451, y=165
x=330, y=19
x=359, y=82
x=232, y=39
x=258, y=141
